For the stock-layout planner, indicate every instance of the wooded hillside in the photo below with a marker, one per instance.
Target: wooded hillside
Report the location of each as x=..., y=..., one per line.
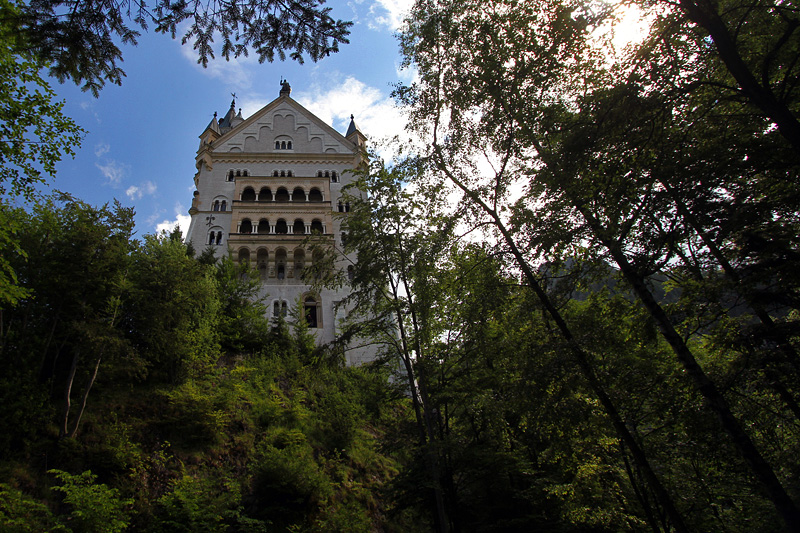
x=583, y=270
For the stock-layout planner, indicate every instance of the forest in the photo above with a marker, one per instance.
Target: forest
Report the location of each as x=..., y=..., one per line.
x=582, y=267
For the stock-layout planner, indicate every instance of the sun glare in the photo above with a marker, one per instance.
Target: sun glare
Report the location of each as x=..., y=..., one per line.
x=629, y=27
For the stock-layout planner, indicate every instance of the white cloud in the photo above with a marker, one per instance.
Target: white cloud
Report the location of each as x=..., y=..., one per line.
x=101, y=149
x=113, y=171
x=146, y=188
x=374, y=111
x=234, y=72
x=389, y=13
x=407, y=75
x=180, y=220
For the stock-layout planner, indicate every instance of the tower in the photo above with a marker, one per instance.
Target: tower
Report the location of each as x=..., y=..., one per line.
x=264, y=185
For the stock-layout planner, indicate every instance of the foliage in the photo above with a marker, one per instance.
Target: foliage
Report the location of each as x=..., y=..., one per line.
x=172, y=310
x=243, y=325
x=81, y=41
x=649, y=164
x=34, y=136
x=198, y=505
x=19, y=513
x=75, y=272
x=93, y=507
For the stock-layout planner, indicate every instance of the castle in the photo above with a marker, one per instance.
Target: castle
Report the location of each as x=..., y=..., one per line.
x=268, y=185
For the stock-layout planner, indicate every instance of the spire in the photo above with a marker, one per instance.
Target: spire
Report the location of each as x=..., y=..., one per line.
x=213, y=125
x=355, y=136
x=352, y=128
x=235, y=121
x=229, y=116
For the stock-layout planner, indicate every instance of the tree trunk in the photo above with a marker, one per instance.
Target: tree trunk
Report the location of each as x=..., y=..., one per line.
x=581, y=358
x=67, y=393
x=705, y=14
x=74, y=430
x=713, y=397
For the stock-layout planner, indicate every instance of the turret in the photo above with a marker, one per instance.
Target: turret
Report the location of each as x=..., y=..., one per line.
x=355, y=136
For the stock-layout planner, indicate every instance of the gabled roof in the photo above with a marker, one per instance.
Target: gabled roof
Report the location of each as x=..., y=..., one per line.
x=284, y=99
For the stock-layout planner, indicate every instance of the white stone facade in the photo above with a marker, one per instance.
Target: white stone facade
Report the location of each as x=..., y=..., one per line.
x=264, y=185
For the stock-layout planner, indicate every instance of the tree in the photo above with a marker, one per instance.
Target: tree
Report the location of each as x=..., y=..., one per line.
x=527, y=88
x=75, y=275
x=171, y=312
x=80, y=39
x=420, y=290
x=392, y=301
x=34, y=136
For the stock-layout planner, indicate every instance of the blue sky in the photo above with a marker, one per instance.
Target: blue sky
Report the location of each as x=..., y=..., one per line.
x=142, y=137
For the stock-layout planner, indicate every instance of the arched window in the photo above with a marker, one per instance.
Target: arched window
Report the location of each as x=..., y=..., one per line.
x=275, y=174
x=282, y=195
x=238, y=172
x=216, y=205
x=261, y=260
x=289, y=145
x=315, y=195
x=223, y=206
x=334, y=177
x=298, y=195
x=219, y=237
x=351, y=272
x=283, y=145
x=311, y=312
x=289, y=173
x=244, y=257
x=327, y=174
x=263, y=226
x=211, y=238
x=277, y=145
x=265, y=194
x=319, y=173
x=245, y=173
x=280, y=263
x=280, y=309
x=299, y=227
x=230, y=175
x=316, y=226
x=281, y=228
x=283, y=173
x=249, y=195
x=341, y=207
x=246, y=226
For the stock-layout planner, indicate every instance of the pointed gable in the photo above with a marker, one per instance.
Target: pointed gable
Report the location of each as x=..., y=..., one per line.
x=283, y=121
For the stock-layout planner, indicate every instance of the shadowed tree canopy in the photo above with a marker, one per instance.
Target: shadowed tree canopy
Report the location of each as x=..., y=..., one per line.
x=80, y=38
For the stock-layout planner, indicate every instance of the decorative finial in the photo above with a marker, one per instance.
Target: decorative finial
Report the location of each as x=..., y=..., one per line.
x=352, y=117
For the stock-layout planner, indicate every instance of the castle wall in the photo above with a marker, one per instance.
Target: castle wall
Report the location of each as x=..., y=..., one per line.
x=269, y=186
